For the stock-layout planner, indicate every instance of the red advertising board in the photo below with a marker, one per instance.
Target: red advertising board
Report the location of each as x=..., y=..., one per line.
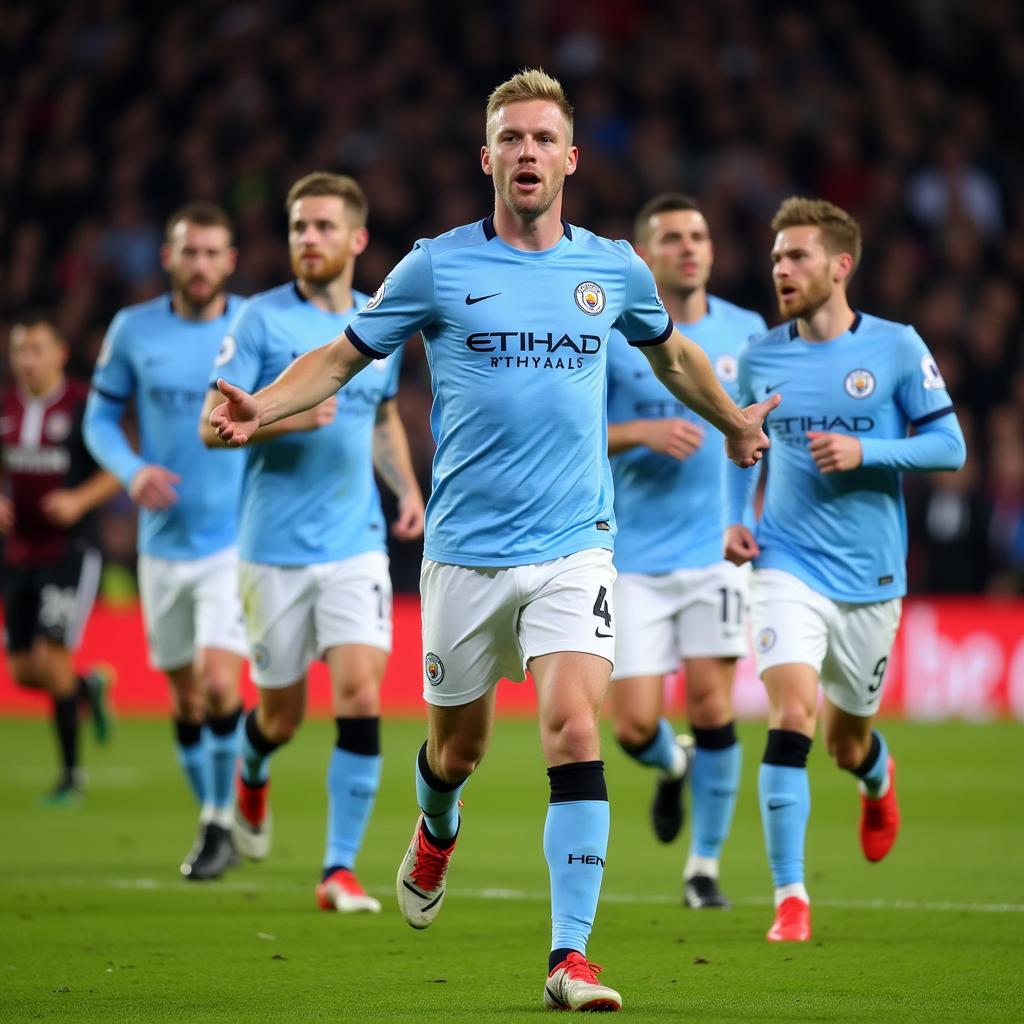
x=953, y=658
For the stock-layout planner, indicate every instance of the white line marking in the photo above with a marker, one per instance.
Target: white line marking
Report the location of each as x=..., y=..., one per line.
x=511, y=895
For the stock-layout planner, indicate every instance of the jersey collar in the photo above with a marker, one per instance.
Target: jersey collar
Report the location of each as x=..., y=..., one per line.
x=857, y=317
x=488, y=225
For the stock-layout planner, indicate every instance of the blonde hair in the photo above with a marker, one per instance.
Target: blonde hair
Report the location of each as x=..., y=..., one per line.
x=323, y=183
x=839, y=231
x=529, y=84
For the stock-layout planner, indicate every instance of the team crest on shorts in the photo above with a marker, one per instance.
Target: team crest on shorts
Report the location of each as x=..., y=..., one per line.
x=260, y=656
x=726, y=368
x=765, y=640
x=377, y=297
x=859, y=383
x=434, y=667
x=590, y=298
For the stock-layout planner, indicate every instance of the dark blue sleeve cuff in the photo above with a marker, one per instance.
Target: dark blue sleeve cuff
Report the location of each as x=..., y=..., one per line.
x=659, y=340
x=109, y=395
x=937, y=415
x=370, y=353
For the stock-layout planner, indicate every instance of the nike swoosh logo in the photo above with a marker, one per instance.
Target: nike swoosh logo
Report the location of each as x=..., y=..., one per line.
x=480, y=298
x=602, y=636
x=769, y=388
x=777, y=805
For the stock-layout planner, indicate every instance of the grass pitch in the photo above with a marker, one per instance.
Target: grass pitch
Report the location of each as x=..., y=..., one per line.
x=96, y=925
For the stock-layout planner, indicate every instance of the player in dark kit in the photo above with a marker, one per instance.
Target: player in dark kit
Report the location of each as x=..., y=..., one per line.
x=52, y=561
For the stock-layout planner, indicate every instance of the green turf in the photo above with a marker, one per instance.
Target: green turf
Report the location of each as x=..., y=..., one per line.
x=96, y=926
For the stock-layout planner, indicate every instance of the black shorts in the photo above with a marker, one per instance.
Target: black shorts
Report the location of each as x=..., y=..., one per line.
x=50, y=601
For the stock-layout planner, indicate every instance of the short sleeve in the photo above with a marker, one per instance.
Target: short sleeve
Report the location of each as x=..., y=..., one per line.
x=643, y=319
x=920, y=390
x=241, y=352
x=394, y=369
x=113, y=376
x=401, y=306
x=744, y=390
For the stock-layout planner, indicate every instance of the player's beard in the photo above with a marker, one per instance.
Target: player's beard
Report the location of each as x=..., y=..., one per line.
x=531, y=207
x=199, y=298
x=815, y=294
x=329, y=268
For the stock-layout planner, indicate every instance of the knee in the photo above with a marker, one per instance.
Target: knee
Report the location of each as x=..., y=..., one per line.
x=848, y=752
x=710, y=709
x=358, y=696
x=219, y=685
x=455, y=760
x=281, y=725
x=189, y=705
x=573, y=738
x=632, y=732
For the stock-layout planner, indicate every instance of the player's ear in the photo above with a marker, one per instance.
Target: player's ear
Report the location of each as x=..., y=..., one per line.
x=360, y=240
x=843, y=267
x=232, y=257
x=485, y=161
x=165, y=257
x=571, y=159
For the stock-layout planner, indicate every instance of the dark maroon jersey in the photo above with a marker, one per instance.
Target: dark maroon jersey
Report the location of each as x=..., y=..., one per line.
x=43, y=451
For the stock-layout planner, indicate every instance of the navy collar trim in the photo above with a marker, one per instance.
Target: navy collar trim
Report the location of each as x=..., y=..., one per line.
x=857, y=318
x=489, y=232
x=298, y=292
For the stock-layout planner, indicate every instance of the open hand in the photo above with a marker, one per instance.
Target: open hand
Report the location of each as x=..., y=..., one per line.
x=237, y=418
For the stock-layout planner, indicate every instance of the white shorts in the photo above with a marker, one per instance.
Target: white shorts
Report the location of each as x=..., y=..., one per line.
x=485, y=624
x=293, y=614
x=190, y=604
x=847, y=644
x=690, y=613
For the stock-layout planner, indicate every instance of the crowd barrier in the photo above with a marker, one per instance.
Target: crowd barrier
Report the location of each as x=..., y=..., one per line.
x=953, y=658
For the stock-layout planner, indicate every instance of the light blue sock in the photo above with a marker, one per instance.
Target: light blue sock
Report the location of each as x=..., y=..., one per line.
x=193, y=760
x=785, y=798
x=222, y=755
x=575, y=847
x=875, y=778
x=352, y=782
x=714, y=781
x=438, y=801
x=660, y=752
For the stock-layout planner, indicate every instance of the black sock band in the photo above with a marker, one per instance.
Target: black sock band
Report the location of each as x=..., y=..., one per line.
x=83, y=688
x=864, y=768
x=787, y=748
x=257, y=740
x=720, y=738
x=65, y=720
x=358, y=735
x=580, y=780
x=224, y=725
x=436, y=784
x=556, y=956
x=188, y=734
x=639, y=749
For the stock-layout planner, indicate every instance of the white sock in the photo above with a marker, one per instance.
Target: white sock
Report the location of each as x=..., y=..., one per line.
x=207, y=814
x=700, y=866
x=224, y=816
x=783, y=892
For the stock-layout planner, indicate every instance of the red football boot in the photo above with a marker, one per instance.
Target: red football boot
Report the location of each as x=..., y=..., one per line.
x=880, y=820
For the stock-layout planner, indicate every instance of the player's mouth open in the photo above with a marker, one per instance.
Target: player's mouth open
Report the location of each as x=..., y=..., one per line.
x=527, y=179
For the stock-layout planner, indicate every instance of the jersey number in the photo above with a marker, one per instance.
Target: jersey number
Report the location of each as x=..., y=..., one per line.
x=734, y=598
x=601, y=609
x=879, y=673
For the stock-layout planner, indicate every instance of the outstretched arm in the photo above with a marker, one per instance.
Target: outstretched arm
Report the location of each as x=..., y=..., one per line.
x=393, y=462
x=307, y=382
x=682, y=366
x=319, y=416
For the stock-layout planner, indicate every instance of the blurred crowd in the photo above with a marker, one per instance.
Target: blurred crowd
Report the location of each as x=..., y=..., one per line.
x=113, y=114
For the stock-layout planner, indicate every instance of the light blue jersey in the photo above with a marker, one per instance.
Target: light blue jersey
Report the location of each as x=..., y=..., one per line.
x=308, y=497
x=516, y=343
x=844, y=534
x=163, y=361
x=671, y=513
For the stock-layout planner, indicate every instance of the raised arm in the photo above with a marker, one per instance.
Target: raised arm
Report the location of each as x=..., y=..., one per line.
x=683, y=367
x=393, y=462
x=307, y=382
